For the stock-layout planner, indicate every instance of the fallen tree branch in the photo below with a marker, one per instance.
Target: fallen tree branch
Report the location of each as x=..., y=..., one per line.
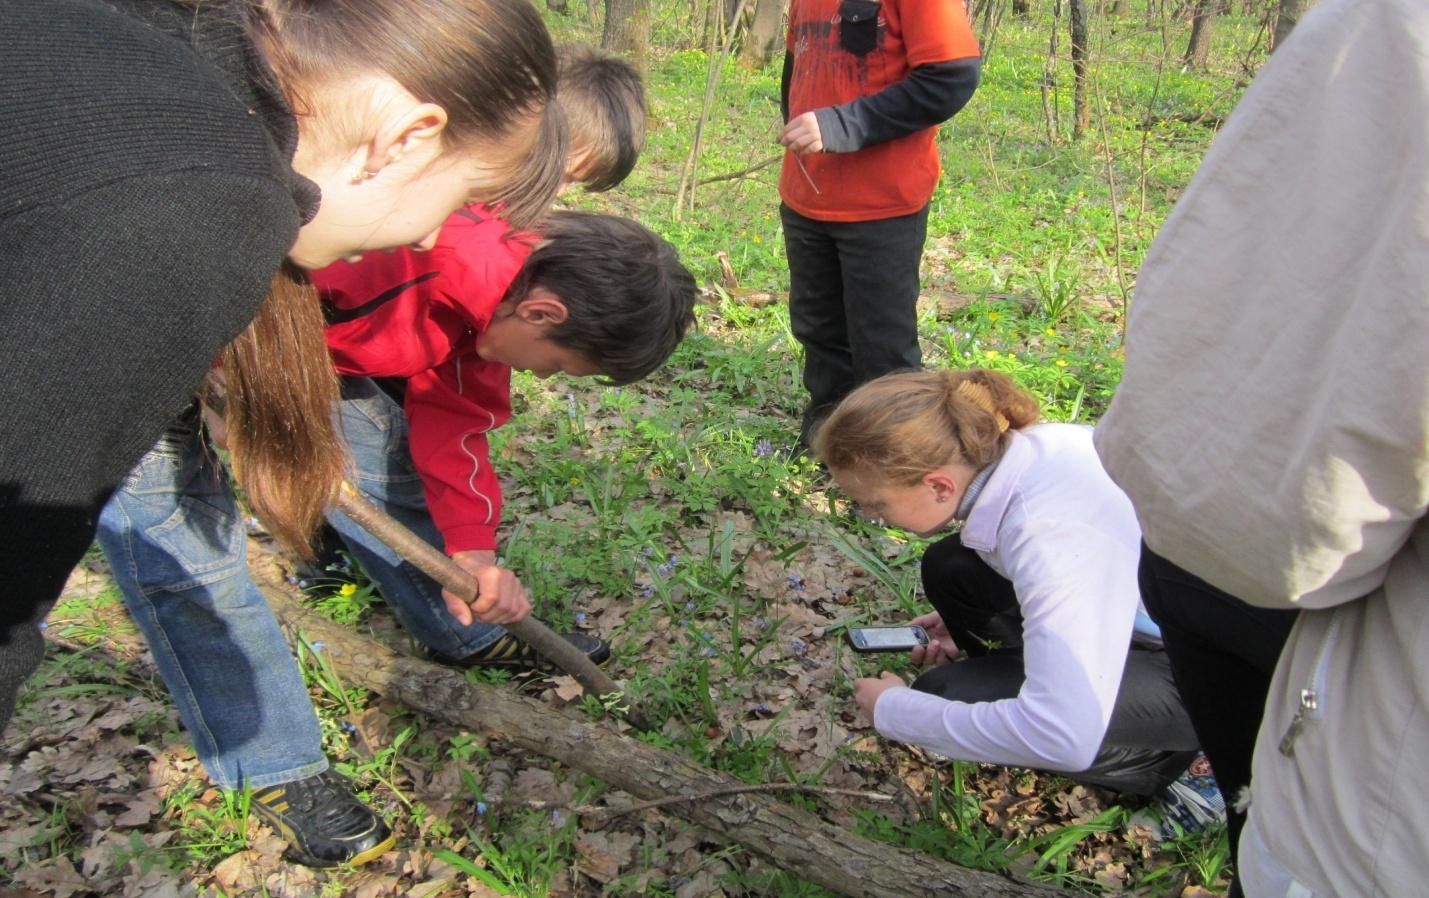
x=783, y=835
x=591, y=810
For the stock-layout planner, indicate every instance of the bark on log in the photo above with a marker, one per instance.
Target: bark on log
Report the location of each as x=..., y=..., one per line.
x=782, y=834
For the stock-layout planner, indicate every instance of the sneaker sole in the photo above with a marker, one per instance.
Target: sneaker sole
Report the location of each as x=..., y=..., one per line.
x=295, y=855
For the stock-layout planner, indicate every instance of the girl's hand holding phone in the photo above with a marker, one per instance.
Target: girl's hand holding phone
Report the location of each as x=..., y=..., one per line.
x=940, y=648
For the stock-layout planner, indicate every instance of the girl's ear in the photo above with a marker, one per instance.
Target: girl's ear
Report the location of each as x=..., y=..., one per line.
x=942, y=483
x=407, y=128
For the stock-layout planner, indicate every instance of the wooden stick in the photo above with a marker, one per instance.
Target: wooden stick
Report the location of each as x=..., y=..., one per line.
x=450, y=575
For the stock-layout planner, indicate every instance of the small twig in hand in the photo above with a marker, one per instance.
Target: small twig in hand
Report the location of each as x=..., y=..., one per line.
x=806, y=173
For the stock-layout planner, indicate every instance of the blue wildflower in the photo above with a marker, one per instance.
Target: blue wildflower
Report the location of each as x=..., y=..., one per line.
x=648, y=551
x=318, y=645
x=707, y=652
x=796, y=582
x=800, y=647
x=44, y=625
x=647, y=592
x=580, y=617
x=763, y=449
x=481, y=807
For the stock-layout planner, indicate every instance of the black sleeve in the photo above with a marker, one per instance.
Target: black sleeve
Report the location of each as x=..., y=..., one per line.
x=784, y=85
x=930, y=94
x=115, y=304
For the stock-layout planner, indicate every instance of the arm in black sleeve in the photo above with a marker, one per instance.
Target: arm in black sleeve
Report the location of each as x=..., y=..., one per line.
x=929, y=95
x=784, y=85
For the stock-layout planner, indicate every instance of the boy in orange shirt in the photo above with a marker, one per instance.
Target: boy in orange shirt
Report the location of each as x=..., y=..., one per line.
x=865, y=86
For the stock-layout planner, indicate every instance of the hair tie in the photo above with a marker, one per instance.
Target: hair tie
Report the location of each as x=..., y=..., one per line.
x=979, y=396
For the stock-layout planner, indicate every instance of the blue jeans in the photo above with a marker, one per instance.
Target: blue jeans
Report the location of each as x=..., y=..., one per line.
x=177, y=546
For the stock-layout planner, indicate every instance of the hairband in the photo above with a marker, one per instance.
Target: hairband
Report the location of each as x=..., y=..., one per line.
x=978, y=395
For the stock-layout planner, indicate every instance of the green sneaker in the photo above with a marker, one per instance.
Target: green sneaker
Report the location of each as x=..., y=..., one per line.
x=324, y=823
x=510, y=653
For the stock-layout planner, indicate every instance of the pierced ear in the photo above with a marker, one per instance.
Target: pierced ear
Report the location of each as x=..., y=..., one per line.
x=944, y=487
x=416, y=129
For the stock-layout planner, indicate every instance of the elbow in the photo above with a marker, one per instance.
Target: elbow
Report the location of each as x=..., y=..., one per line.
x=1067, y=748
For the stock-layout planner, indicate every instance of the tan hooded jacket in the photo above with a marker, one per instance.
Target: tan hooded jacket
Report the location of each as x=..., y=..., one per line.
x=1272, y=427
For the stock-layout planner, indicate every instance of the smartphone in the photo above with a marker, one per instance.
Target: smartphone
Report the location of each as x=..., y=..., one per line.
x=885, y=639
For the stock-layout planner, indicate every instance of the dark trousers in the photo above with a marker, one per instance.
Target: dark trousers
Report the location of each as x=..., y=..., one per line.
x=1223, y=653
x=1149, y=741
x=853, y=295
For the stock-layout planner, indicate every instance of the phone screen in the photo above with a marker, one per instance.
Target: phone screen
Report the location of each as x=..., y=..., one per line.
x=890, y=637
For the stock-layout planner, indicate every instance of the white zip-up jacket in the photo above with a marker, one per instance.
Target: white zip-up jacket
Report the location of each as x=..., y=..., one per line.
x=1272, y=430
x=1051, y=521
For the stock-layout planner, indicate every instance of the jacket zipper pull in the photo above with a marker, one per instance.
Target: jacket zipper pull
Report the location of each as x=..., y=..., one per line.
x=1308, y=703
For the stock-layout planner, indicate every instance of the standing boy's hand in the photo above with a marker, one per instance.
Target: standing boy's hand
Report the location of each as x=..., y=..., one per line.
x=500, y=597
x=940, y=648
x=866, y=690
x=802, y=134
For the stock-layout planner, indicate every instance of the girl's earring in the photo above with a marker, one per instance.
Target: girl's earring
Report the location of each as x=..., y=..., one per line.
x=363, y=175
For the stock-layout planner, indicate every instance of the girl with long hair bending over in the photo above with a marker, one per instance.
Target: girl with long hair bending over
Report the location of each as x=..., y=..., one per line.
x=1037, y=588
x=172, y=169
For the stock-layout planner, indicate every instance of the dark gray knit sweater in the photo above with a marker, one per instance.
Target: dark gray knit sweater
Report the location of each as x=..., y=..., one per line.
x=146, y=200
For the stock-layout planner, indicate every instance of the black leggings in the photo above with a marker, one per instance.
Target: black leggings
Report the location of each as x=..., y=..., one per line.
x=1149, y=741
x=1223, y=653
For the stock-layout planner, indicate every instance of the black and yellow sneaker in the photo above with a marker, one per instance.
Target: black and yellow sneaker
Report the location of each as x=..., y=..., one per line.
x=510, y=653
x=323, y=821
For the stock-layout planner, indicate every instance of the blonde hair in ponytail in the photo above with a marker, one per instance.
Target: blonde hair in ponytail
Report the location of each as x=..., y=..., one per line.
x=901, y=426
x=280, y=390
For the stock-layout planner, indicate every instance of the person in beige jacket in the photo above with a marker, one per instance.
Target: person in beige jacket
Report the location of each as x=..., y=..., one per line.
x=1272, y=431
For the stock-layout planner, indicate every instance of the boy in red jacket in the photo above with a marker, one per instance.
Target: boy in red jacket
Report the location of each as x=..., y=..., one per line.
x=591, y=295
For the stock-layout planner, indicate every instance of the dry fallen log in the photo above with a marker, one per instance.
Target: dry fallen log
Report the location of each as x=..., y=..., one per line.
x=785, y=836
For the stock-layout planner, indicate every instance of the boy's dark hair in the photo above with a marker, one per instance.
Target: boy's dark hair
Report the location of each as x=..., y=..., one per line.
x=603, y=98
x=628, y=298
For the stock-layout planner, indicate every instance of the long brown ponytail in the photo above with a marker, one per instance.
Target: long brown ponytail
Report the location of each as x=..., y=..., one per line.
x=280, y=391
x=901, y=426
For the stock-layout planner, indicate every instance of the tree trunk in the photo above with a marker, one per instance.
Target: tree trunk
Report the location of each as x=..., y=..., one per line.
x=1198, y=50
x=1049, y=78
x=558, y=6
x=1081, y=104
x=765, y=34
x=1286, y=15
x=1021, y=8
x=1118, y=8
x=627, y=28
x=790, y=838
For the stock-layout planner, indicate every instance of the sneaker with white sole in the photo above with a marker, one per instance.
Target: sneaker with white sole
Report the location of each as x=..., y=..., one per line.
x=1193, y=801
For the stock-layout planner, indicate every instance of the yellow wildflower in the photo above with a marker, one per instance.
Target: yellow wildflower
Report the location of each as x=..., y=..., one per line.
x=348, y=589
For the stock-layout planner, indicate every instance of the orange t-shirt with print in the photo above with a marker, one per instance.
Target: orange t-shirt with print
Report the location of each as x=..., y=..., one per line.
x=887, y=179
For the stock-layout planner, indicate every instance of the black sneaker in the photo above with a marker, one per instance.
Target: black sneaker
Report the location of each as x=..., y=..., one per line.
x=510, y=653
x=323, y=821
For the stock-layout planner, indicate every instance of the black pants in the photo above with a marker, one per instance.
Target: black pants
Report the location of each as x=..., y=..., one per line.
x=1149, y=740
x=1223, y=653
x=853, y=296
